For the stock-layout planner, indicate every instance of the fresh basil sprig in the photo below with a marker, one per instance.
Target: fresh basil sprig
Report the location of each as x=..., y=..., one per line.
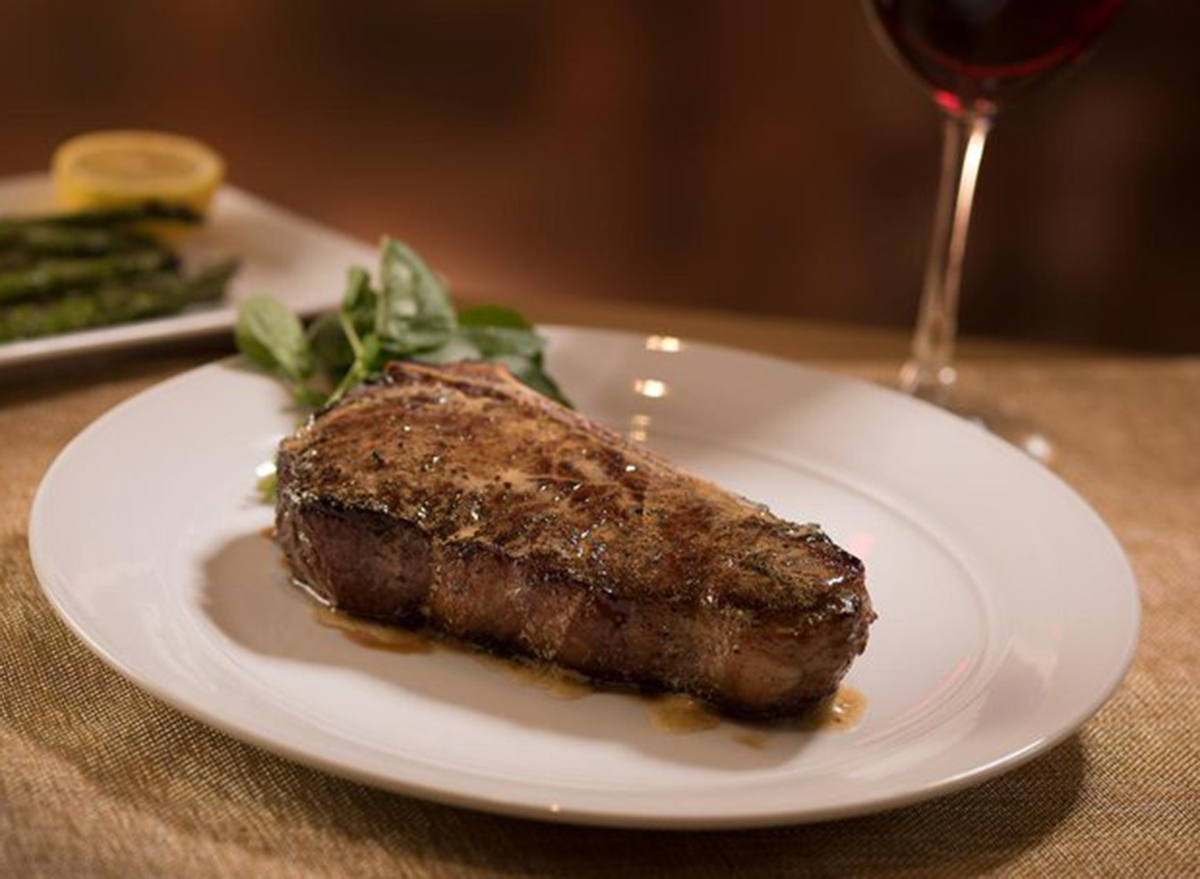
x=407, y=316
x=273, y=338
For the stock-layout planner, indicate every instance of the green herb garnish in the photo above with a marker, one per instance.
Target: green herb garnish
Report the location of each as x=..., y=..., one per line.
x=405, y=315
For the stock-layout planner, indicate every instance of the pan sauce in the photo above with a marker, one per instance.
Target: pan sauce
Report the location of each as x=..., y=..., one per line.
x=675, y=713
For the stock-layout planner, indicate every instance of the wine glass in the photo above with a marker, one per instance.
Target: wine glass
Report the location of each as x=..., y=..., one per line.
x=974, y=55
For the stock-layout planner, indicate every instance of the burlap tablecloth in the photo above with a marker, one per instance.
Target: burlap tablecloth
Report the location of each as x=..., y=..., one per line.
x=97, y=778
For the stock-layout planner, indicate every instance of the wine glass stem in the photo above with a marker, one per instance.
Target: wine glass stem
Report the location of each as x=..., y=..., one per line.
x=930, y=373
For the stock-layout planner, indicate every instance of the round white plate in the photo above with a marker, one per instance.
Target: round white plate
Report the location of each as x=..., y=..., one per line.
x=1007, y=611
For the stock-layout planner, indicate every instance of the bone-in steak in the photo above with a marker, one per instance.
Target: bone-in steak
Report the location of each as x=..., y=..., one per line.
x=458, y=499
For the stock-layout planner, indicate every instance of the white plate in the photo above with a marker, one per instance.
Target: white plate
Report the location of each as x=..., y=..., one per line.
x=294, y=259
x=1007, y=612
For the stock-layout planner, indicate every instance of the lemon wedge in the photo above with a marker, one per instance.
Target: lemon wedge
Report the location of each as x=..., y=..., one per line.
x=118, y=167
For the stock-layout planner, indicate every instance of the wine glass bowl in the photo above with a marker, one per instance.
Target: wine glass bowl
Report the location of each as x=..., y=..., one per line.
x=973, y=56
x=976, y=54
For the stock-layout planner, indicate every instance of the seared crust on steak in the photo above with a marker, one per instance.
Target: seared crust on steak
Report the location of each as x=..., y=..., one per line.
x=456, y=498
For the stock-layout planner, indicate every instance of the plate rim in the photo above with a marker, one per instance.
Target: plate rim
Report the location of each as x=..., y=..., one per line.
x=246, y=732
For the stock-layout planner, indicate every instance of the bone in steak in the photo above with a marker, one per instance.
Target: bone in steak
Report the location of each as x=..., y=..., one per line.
x=458, y=499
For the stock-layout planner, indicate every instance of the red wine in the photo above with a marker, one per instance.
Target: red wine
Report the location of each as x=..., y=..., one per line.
x=978, y=52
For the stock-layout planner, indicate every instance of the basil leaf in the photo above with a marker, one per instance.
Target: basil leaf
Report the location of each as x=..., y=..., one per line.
x=528, y=370
x=455, y=349
x=269, y=334
x=330, y=348
x=494, y=341
x=359, y=297
x=537, y=379
x=409, y=289
x=371, y=354
x=497, y=344
x=414, y=336
x=493, y=316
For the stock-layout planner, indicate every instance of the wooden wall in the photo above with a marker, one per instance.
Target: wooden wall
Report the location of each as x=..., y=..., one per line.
x=763, y=156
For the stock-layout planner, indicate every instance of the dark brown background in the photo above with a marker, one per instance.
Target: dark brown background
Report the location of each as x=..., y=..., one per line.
x=760, y=156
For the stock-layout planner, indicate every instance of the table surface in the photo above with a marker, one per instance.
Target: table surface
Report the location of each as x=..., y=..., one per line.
x=98, y=778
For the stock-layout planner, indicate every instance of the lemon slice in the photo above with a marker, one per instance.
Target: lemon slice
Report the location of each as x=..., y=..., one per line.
x=116, y=167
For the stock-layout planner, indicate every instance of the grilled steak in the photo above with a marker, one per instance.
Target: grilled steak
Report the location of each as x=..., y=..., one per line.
x=458, y=499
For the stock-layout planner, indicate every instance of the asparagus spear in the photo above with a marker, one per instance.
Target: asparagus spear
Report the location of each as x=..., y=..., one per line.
x=25, y=244
x=148, y=296
x=51, y=275
x=26, y=248
x=114, y=215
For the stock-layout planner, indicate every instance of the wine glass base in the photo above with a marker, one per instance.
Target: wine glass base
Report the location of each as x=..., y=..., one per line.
x=941, y=388
x=1014, y=429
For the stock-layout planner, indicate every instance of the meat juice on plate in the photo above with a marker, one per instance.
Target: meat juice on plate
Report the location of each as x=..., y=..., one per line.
x=672, y=713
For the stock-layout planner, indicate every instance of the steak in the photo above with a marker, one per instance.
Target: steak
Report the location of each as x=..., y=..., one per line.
x=455, y=498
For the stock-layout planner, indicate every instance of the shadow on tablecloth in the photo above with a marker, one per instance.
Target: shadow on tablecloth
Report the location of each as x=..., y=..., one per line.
x=98, y=773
